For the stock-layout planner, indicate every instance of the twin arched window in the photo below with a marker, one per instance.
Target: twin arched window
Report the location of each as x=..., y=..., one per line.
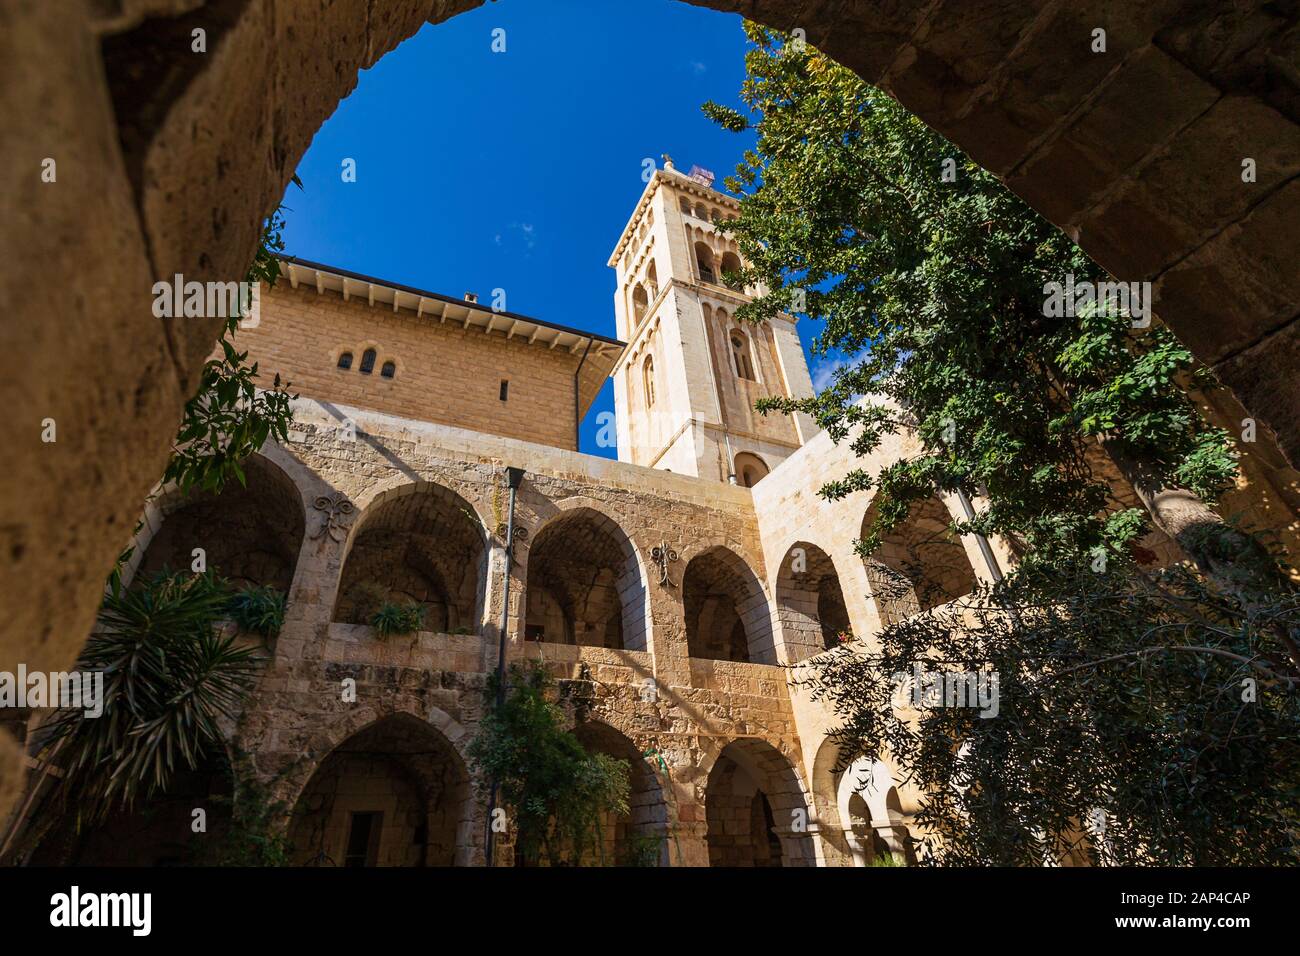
x=744, y=365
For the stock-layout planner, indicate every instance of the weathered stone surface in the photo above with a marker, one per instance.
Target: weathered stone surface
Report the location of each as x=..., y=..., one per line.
x=199, y=152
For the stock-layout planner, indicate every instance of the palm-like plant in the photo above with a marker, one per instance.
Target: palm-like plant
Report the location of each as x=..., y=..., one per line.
x=169, y=677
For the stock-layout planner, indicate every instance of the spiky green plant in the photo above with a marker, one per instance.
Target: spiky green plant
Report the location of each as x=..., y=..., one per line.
x=394, y=618
x=169, y=678
x=258, y=610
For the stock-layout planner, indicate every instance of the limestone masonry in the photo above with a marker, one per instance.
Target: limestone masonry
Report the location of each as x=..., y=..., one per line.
x=669, y=590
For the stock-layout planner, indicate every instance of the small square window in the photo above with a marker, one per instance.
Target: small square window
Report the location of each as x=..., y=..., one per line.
x=389, y=370
x=505, y=389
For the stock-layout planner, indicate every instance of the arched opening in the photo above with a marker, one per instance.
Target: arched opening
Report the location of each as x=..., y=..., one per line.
x=638, y=838
x=367, y=361
x=393, y=794
x=249, y=534
x=704, y=262
x=424, y=547
x=872, y=812
x=158, y=831
x=648, y=380
x=810, y=603
x=726, y=612
x=640, y=303
x=919, y=565
x=345, y=361
x=730, y=268
x=584, y=584
x=755, y=809
x=741, y=360
x=749, y=469
x=652, y=280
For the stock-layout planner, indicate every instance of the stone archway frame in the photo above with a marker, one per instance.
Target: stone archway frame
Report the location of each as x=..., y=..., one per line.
x=796, y=641
x=169, y=500
x=757, y=611
x=366, y=506
x=346, y=724
x=633, y=582
x=779, y=779
x=1136, y=153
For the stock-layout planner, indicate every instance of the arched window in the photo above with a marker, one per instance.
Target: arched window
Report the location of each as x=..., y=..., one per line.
x=740, y=355
x=702, y=212
x=730, y=264
x=704, y=259
x=652, y=280
x=345, y=361
x=686, y=205
x=750, y=469
x=648, y=376
x=640, y=302
x=389, y=370
x=367, y=361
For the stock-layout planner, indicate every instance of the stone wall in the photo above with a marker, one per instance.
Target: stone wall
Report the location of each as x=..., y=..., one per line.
x=167, y=162
x=444, y=373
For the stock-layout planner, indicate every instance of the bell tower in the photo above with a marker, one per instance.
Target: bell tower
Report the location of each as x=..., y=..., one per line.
x=686, y=384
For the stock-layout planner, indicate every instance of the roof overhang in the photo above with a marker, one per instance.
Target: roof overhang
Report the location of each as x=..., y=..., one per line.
x=601, y=353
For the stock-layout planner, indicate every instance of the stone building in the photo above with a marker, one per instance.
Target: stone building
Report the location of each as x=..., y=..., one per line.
x=669, y=590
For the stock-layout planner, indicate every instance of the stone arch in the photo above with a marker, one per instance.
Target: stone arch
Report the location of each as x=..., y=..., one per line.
x=727, y=616
x=251, y=533
x=919, y=565
x=393, y=793
x=156, y=831
x=871, y=811
x=416, y=543
x=1159, y=204
x=640, y=303
x=704, y=262
x=809, y=602
x=584, y=582
x=756, y=808
x=730, y=264
x=641, y=837
x=749, y=469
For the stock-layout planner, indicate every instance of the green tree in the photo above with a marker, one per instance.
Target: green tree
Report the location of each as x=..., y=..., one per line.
x=931, y=276
x=555, y=790
x=1161, y=703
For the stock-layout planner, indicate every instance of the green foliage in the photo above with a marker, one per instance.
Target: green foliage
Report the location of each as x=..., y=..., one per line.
x=229, y=417
x=258, y=610
x=255, y=837
x=556, y=792
x=394, y=618
x=169, y=677
x=935, y=291
x=1156, y=700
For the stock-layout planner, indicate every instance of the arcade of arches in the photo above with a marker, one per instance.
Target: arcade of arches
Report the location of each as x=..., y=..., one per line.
x=1137, y=153
x=424, y=548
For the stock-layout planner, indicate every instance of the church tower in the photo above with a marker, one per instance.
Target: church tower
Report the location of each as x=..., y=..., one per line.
x=686, y=384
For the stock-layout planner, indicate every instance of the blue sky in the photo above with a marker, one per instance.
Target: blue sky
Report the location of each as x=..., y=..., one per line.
x=478, y=170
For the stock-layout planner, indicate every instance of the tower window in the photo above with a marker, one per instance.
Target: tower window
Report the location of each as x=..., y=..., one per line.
x=367, y=361
x=704, y=260
x=740, y=355
x=389, y=370
x=505, y=389
x=345, y=361
x=749, y=469
x=648, y=374
x=640, y=303
x=730, y=268
x=686, y=205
